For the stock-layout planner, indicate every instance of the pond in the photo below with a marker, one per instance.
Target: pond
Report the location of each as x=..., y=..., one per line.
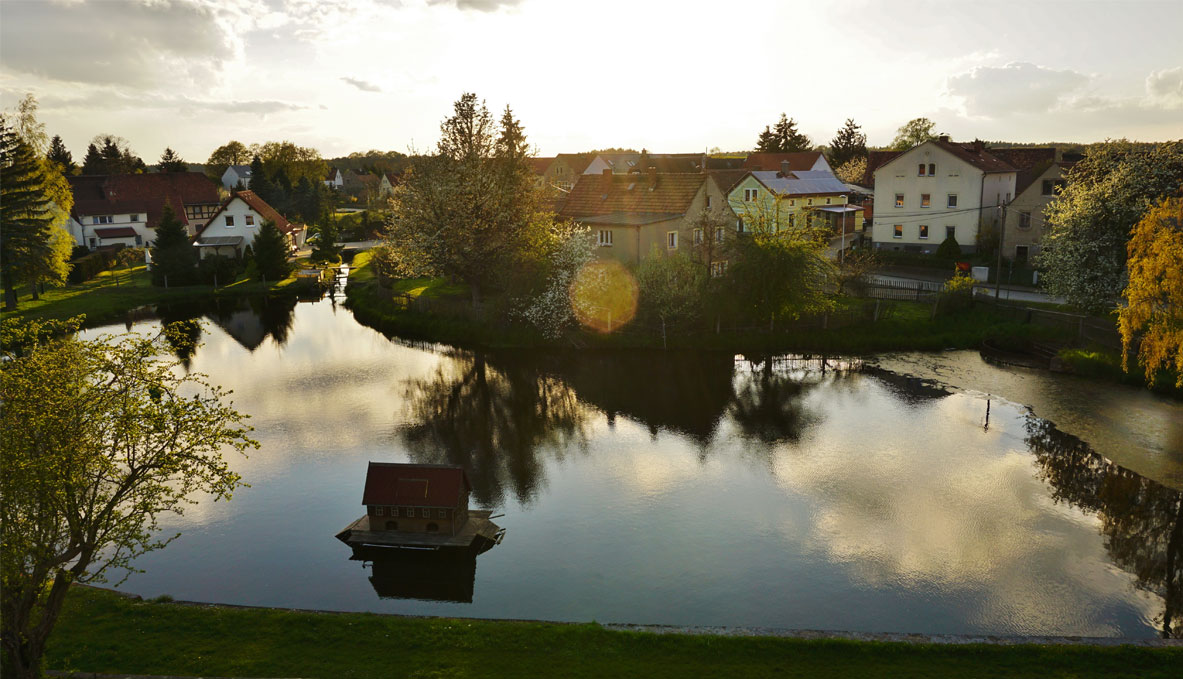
x=928, y=493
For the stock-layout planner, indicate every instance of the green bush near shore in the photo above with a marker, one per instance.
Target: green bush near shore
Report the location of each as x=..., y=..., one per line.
x=100, y=631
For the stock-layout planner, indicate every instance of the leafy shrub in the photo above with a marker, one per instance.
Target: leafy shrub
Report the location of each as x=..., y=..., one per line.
x=218, y=269
x=949, y=249
x=85, y=268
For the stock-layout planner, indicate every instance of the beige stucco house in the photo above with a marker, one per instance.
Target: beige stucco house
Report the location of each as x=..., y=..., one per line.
x=1041, y=176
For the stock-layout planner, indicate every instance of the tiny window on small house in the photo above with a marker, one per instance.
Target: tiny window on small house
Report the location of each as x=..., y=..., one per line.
x=698, y=236
x=1024, y=220
x=827, y=201
x=394, y=511
x=950, y=232
x=378, y=511
x=920, y=172
x=899, y=200
x=924, y=231
x=139, y=240
x=925, y=200
x=135, y=218
x=739, y=225
x=719, y=268
x=708, y=202
x=749, y=195
x=671, y=240
x=809, y=201
x=229, y=220
x=250, y=220
x=897, y=231
x=443, y=514
x=792, y=202
x=932, y=169
x=952, y=200
x=719, y=234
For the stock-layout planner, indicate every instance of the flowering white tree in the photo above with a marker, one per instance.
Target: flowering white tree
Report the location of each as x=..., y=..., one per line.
x=552, y=311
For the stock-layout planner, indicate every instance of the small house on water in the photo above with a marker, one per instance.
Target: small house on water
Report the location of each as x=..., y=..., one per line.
x=420, y=506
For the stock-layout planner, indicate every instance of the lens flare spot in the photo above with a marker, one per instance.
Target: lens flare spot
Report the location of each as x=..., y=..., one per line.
x=604, y=295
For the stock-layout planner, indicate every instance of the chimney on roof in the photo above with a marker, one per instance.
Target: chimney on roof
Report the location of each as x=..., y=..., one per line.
x=606, y=172
x=784, y=168
x=944, y=138
x=978, y=145
x=652, y=172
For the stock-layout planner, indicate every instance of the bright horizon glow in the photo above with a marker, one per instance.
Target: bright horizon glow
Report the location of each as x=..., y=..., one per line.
x=669, y=76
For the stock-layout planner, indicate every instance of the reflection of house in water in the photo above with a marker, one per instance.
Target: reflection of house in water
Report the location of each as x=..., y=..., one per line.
x=683, y=392
x=432, y=576
x=251, y=321
x=910, y=389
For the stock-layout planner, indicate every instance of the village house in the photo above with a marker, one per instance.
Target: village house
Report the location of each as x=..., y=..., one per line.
x=564, y=170
x=814, y=161
x=233, y=228
x=1040, y=178
x=638, y=213
x=938, y=189
x=416, y=498
x=771, y=202
x=237, y=177
x=125, y=209
x=335, y=179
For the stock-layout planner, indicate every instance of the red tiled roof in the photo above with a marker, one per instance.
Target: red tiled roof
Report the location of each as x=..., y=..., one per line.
x=141, y=194
x=875, y=160
x=979, y=158
x=539, y=165
x=632, y=193
x=115, y=232
x=1030, y=162
x=727, y=179
x=578, y=162
x=802, y=160
x=260, y=206
x=415, y=485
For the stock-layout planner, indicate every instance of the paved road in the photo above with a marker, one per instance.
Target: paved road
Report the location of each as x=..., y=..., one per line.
x=1014, y=294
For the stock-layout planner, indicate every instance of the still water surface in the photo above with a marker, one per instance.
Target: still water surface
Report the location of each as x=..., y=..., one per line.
x=699, y=489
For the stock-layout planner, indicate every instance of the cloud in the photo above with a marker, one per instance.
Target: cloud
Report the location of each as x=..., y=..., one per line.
x=362, y=84
x=138, y=44
x=1166, y=84
x=1018, y=87
x=478, y=5
x=106, y=99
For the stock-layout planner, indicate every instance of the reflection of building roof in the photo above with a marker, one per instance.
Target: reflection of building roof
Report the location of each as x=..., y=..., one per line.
x=141, y=194
x=415, y=485
x=115, y=232
x=642, y=193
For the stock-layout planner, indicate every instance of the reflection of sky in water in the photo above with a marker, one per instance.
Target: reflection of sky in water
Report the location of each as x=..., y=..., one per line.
x=833, y=504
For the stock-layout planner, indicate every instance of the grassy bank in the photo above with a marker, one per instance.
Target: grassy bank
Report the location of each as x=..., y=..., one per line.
x=902, y=326
x=103, y=632
x=111, y=294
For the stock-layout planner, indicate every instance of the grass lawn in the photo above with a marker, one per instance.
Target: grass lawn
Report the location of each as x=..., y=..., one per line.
x=113, y=293
x=102, y=632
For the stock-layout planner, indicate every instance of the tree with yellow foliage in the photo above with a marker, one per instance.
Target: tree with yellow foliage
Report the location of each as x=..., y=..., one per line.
x=1152, y=319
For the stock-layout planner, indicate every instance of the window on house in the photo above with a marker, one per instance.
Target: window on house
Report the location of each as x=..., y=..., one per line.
x=698, y=236
x=378, y=511
x=899, y=200
x=792, y=202
x=740, y=226
x=719, y=268
x=102, y=219
x=139, y=240
x=1024, y=220
x=135, y=218
x=443, y=514
x=719, y=234
x=1021, y=252
x=250, y=220
x=1008, y=196
x=394, y=511
x=604, y=238
x=920, y=171
x=924, y=232
x=1052, y=187
x=229, y=220
x=94, y=243
x=952, y=200
x=897, y=231
x=708, y=202
x=951, y=232
x=925, y=200
x=671, y=240
x=932, y=169
x=827, y=201
x=749, y=195
x=809, y=201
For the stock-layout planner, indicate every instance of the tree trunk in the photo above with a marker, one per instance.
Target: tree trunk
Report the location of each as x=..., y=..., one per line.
x=664, y=344
x=9, y=295
x=33, y=289
x=476, y=297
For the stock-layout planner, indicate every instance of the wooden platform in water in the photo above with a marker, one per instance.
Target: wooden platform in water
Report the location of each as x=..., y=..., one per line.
x=478, y=533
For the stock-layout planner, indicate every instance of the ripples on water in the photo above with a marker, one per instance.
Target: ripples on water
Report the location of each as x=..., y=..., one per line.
x=686, y=488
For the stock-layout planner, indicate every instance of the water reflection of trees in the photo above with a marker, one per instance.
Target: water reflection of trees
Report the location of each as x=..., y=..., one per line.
x=493, y=420
x=768, y=404
x=1142, y=520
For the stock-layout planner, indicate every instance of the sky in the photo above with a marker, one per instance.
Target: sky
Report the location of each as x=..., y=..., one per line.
x=667, y=75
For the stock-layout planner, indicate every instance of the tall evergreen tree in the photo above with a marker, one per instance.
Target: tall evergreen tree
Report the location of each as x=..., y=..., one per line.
x=174, y=260
x=116, y=157
x=259, y=183
x=171, y=162
x=788, y=138
x=766, y=143
x=93, y=163
x=325, y=249
x=61, y=155
x=849, y=143
x=26, y=214
x=271, y=252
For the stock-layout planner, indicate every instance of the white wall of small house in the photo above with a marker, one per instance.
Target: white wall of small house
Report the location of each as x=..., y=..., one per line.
x=977, y=193
x=83, y=229
x=231, y=178
x=237, y=211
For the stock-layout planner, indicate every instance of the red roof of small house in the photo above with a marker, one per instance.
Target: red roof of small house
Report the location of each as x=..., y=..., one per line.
x=802, y=160
x=415, y=485
x=261, y=207
x=1030, y=162
x=141, y=194
x=976, y=155
x=875, y=159
x=638, y=192
x=115, y=232
x=539, y=165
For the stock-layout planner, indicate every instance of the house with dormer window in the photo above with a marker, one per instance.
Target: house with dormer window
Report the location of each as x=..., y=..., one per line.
x=232, y=229
x=125, y=209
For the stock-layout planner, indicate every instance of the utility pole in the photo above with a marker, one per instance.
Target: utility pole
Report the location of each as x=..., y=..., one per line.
x=998, y=271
